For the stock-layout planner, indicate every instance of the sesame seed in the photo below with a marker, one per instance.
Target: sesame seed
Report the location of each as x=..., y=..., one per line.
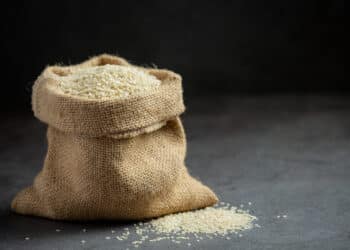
x=82, y=241
x=107, y=238
x=58, y=230
x=27, y=238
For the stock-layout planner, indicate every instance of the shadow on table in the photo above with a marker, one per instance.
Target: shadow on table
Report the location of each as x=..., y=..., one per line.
x=16, y=227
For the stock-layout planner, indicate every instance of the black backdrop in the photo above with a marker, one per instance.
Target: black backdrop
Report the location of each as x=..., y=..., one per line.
x=218, y=46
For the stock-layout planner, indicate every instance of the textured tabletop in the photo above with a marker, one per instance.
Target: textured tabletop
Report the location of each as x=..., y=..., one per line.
x=287, y=155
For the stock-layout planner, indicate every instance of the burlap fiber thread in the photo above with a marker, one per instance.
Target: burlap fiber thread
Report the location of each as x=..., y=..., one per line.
x=111, y=159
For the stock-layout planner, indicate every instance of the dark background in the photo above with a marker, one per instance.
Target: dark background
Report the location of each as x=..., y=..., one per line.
x=267, y=110
x=217, y=46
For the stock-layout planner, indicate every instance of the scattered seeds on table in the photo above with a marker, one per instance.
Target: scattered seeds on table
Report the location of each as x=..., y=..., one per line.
x=194, y=226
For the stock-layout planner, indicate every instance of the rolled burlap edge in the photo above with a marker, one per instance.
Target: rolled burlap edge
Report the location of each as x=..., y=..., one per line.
x=141, y=112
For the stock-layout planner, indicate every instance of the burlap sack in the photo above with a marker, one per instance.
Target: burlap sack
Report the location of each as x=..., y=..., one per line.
x=111, y=159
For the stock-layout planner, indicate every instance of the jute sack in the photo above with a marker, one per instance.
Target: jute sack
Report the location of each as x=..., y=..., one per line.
x=111, y=159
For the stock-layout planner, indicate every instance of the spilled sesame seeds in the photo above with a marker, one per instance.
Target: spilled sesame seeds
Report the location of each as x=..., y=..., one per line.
x=187, y=229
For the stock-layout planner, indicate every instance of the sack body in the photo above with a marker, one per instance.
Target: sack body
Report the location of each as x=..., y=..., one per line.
x=112, y=159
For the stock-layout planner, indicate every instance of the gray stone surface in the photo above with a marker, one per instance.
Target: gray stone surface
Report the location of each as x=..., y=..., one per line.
x=285, y=154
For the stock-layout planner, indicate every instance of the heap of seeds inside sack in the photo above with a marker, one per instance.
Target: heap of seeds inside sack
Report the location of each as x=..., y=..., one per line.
x=107, y=81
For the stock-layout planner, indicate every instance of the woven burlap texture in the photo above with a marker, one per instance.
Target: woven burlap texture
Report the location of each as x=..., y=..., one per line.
x=111, y=159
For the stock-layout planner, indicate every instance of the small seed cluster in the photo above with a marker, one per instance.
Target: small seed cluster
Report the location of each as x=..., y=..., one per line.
x=106, y=82
x=284, y=216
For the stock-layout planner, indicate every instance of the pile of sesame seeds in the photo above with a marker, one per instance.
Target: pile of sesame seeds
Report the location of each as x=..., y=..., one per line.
x=221, y=221
x=211, y=220
x=106, y=82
